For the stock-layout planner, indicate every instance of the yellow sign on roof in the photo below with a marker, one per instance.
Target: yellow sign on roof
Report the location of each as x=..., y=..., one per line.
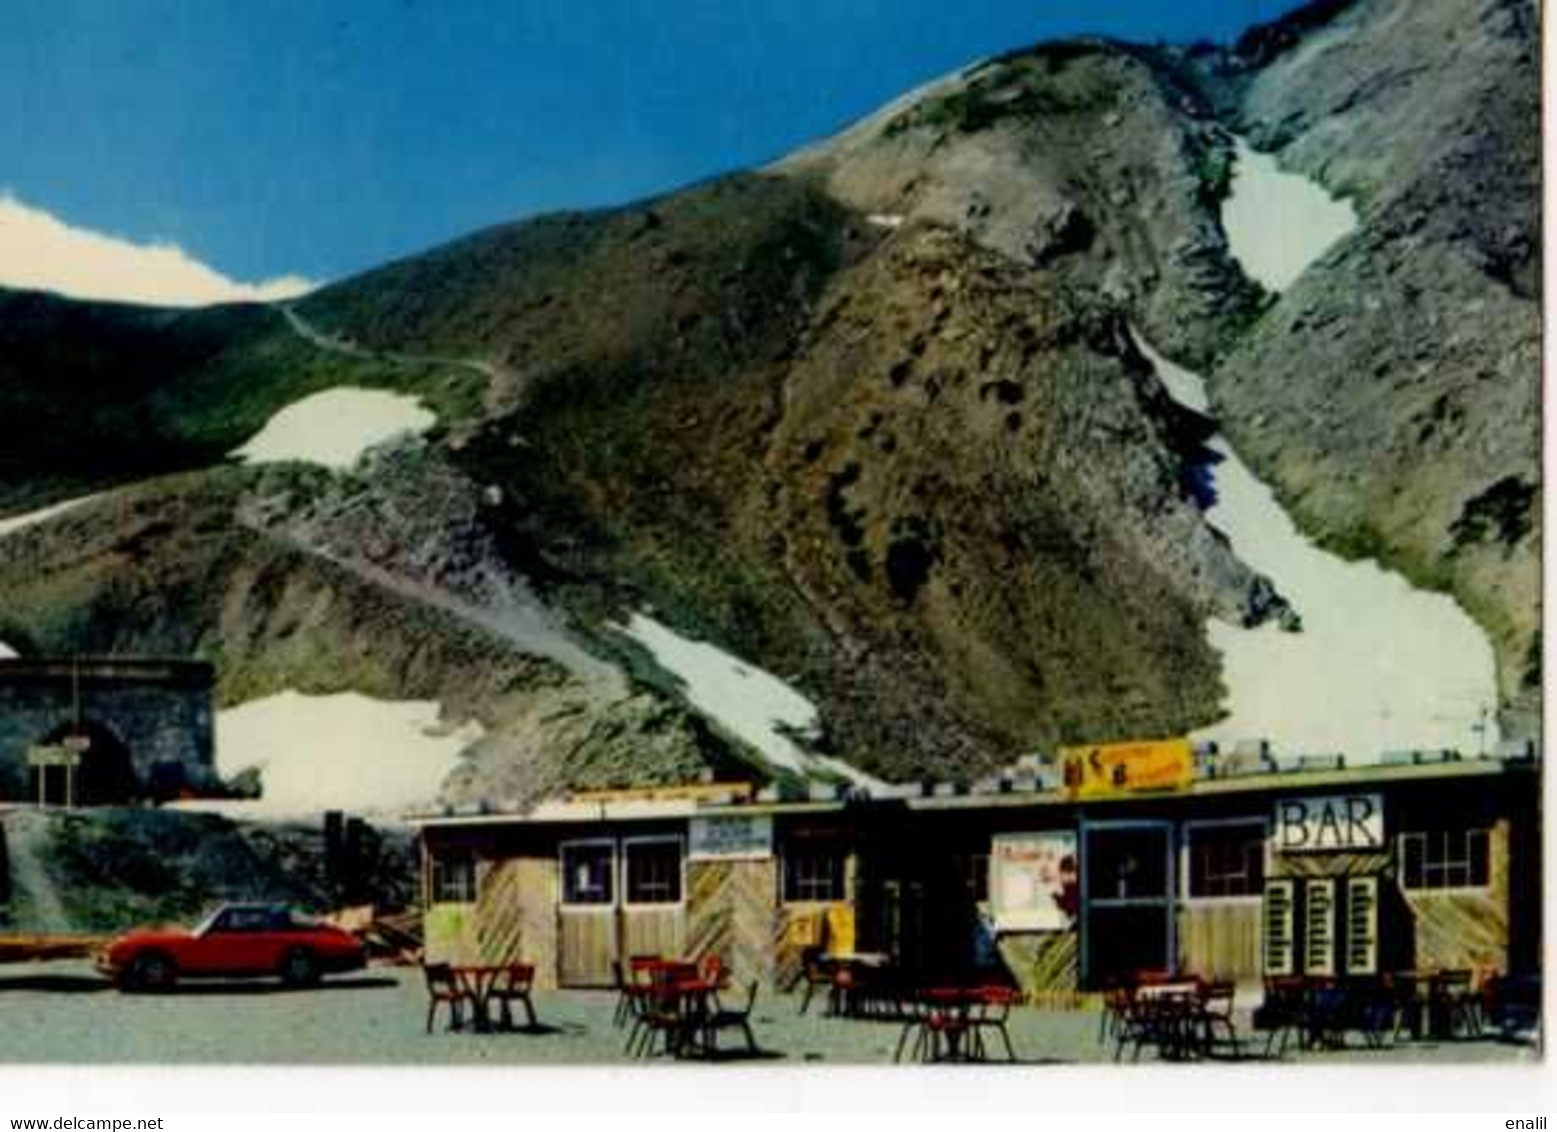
x=1125, y=768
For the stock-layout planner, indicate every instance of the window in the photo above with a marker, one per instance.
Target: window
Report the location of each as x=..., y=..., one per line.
x=653, y=871
x=1226, y=860
x=973, y=869
x=245, y=920
x=1125, y=863
x=813, y=872
x=1444, y=858
x=454, y=879
x=588, y=873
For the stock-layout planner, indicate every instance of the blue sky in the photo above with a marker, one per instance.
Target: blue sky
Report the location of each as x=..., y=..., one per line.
x=276, y=136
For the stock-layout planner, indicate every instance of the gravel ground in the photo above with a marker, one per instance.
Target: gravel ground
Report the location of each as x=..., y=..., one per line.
x=63, y=1012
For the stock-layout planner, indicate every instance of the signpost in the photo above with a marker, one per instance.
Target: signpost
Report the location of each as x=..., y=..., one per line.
x=66, y=755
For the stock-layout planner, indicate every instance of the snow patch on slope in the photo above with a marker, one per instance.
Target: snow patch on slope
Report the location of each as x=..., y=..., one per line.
x=755, y=706
x=1378, y=666
x=335, y=427
x=42, y=515
x=338, y=752
x=1277, y=223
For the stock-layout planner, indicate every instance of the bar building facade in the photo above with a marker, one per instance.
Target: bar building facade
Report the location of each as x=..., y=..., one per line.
x=1300, y=867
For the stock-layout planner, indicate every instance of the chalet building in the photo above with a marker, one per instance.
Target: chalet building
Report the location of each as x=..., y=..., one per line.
x=1138, y=857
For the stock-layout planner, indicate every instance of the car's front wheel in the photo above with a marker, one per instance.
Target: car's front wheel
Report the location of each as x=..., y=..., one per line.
x=299, y=969
x=151, y=971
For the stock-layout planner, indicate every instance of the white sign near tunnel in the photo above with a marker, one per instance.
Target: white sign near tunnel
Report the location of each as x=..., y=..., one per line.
x=1330, y=822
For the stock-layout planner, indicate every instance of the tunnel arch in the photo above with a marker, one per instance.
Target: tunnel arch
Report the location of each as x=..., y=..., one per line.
x=105, y=777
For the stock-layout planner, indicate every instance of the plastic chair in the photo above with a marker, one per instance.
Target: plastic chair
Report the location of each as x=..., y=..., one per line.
x=1216, y=1014
x=1281, y=1011
x=1453, y=1005
x=513, y=985
x=444, y=988
x=994, y=1011
x=815, y=973
x=723, y=1018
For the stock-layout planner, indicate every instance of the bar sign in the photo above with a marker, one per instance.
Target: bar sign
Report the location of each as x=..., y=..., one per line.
x=1362, y=926
x=1319, y=920
x=1278, y=927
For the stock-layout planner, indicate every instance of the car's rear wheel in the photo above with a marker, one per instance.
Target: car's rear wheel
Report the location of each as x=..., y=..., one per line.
x=151, y=971
x=299, y=968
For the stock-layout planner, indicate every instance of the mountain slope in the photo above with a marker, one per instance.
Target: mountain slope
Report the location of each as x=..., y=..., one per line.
x=873, y=419
x=715, y=414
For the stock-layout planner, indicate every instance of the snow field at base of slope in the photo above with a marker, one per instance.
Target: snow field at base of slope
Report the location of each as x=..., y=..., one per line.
x=754, y=706
x=1378, y=666
x=335, y=427
x=347, y=751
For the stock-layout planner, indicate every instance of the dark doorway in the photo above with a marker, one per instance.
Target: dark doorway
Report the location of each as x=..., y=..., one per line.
x=1127, y=900
x=105, y=775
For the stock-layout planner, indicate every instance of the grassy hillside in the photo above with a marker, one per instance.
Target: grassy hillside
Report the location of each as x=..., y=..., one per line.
x=94, y=394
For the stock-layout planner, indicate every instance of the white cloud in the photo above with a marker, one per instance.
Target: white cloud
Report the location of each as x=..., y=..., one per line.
x=40, y=252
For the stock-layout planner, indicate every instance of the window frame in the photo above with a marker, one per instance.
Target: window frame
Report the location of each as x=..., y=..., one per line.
x=1187, y=867
x=813, y=845
x=1426, y=837
x=437, y=865
x=607, y=905
x=627, y=844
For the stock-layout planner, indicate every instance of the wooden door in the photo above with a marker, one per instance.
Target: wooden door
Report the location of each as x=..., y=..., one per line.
x=653, y=897
x=587, y=930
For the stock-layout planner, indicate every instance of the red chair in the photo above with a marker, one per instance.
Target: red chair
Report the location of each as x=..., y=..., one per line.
x=513, y=985
x=992, y=1013
x=444, y=989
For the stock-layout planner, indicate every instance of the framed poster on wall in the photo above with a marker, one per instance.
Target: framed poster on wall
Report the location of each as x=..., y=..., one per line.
x=1033, y=881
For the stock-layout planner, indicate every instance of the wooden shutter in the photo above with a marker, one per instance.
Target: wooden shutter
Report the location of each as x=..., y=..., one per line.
x=1362, y=926
x=1278, y=927
x=1319, y=926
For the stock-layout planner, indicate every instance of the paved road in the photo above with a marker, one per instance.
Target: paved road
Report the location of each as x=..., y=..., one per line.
x=62, y=1011
x=25, y=833
x=330, y=343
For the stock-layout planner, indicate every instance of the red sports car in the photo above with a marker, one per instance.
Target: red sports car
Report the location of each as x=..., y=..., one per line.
x=235, y=941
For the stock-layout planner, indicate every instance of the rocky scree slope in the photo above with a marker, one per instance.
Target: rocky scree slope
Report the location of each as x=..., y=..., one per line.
x=1392, y=394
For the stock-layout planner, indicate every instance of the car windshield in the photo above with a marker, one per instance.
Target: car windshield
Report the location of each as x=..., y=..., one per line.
x=230, y=918
x=210, y=919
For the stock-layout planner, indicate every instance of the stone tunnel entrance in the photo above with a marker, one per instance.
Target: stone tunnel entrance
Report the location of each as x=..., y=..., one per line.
x=105, y=775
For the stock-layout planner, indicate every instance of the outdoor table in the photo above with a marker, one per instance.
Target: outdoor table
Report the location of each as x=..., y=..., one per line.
x=857, y=958
x=942, y=1013
x=694, y=1001
x=1174, y=1011
x=850, y=973
x=479, y=981
x=1451, y=1000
